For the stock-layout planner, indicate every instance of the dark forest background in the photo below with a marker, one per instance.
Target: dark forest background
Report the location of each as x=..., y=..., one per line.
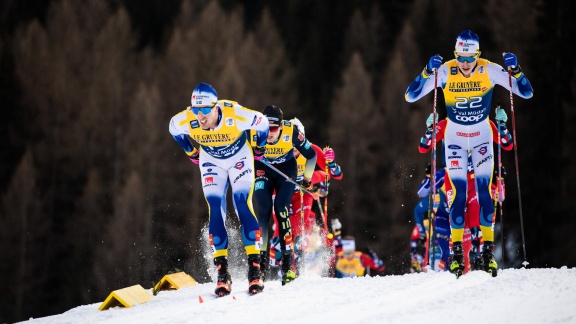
x=95, y=195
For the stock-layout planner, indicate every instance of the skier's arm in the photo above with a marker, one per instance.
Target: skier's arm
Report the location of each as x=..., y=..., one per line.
x=372, y=261
x=255, y=120
x=305, y=148
x=520, y=84
x=320, y=159
x=327, y=157
x=504, y=137
x=424, y=187
x=426, y=140
x=424, y=82
x=179, y=130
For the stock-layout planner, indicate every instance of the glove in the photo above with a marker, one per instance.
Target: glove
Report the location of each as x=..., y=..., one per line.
x=259, y=152
x=501, y=116
x=329, y=155
x=511, y=61
x=336, y=225
x=195, y=158
x=430, y=120
x=428, y=170
x=307, y=184
x=434, y=63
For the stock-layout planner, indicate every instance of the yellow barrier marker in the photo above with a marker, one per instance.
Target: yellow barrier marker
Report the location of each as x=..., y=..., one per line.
x=174, y=281
x=126, y=297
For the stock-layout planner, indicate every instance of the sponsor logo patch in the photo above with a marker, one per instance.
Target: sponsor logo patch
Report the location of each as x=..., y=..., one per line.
x=483, y=150
x=256, y=120
x=461, y=134
x=239, y=165
x=469, y=118
x=488, y=158
x=242, y=174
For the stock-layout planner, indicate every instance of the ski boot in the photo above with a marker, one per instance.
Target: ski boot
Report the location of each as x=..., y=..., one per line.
x=287, y=274
x=488, y=261
x=255, y=282
x=457, y=264
x=224, y=283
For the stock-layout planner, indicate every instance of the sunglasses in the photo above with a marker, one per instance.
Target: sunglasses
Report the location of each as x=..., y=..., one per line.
x=203, y=110
x=274, y=129
x=468, y=59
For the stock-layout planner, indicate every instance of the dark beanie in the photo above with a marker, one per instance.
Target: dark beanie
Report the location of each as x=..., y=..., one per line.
x=274, y=114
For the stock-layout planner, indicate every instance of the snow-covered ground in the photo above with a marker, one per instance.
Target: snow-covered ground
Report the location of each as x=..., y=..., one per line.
x=514, y=296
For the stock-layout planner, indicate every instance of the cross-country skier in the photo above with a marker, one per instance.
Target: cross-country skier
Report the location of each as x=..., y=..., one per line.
x=324, y=158
x=353, y=263
x=225, y=158
x=283, y=137
x=440, y=246
x=472, y=250
x=467, y=83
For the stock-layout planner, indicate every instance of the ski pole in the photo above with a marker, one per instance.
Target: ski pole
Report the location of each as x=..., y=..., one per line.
x=302, y=211
x=302, y=229
x=325, y=214
x=432, y=198
x=320, y=208
x=299, y=186
x=498, y=197
x=433, y=174
x=428, y=234
x=516, y=162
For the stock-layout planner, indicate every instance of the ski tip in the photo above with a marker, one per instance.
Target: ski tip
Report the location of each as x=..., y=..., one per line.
x=200, y=300
x=233, y=297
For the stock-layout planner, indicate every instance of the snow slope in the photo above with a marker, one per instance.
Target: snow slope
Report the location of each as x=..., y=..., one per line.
x=514, y=296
